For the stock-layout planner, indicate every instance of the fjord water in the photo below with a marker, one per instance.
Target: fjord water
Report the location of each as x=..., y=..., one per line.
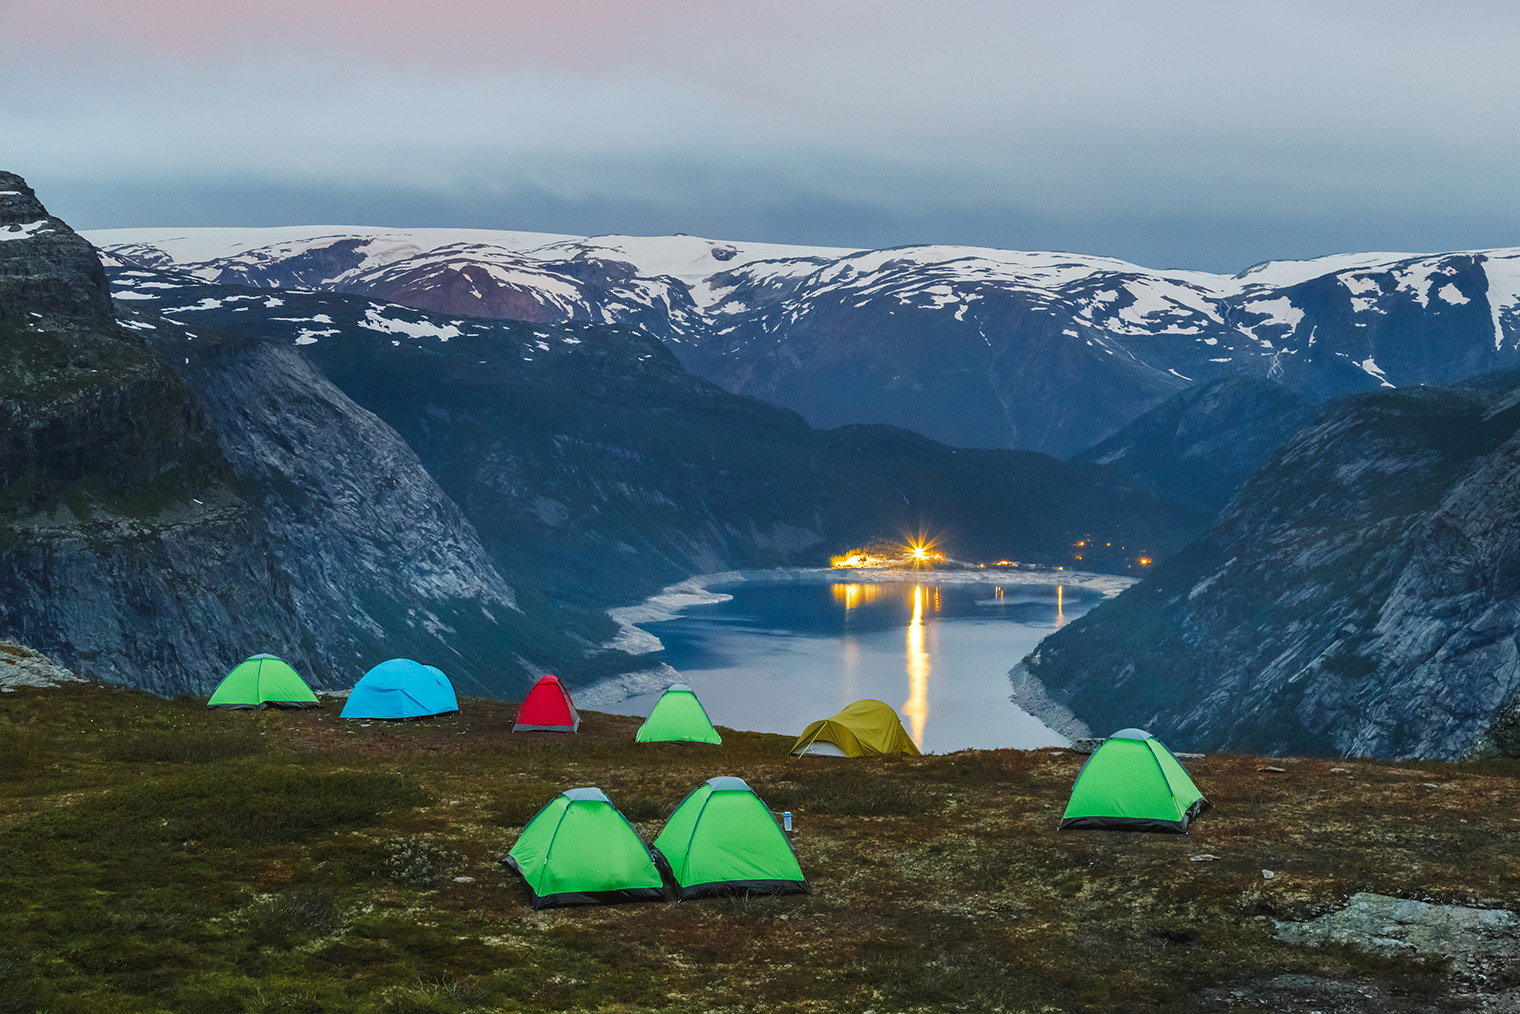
x=776, y=656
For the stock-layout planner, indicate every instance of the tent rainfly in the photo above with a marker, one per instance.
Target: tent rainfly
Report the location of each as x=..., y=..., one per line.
x=1133, y=783
x=259, y=682
x=678, y=717
x=401, y=688
x=861, y=729
x=723, y=840
x=547, y=708
x=580, y=850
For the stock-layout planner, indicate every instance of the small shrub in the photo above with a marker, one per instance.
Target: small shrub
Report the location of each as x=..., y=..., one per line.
x=293, y=918
x=443, y=997
x=417, y=863
x=961, y=978
x=981, y=767
x=234, y=808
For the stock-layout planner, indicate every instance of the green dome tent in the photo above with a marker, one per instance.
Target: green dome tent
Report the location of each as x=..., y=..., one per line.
x=678, y=717
x=1133, y=783
x=259, y=682
x=723, y=840
x=579, y=850
x=863, y=728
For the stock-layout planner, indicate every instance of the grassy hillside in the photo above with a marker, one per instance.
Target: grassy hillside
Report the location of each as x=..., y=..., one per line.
x=158, y=856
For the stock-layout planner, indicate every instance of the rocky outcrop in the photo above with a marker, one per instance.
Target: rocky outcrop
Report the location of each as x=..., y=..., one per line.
x=1359, y=595
x=79, y=396
x=1481, y=941
x=21, y=666
x=46, y=269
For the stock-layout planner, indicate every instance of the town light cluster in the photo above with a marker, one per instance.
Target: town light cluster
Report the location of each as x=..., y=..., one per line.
x=915, y=553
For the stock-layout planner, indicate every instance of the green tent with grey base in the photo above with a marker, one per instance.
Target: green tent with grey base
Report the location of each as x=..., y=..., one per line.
x=1132, y=783
x=260, y=682
x=678, y=717
x=580, y=850
x=722, y=840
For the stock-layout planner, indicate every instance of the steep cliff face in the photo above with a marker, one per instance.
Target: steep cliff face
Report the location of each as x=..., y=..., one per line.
x=158, y=526
x=1359, y=595
x=79, y=395
x=368, y=558
x=323, y=540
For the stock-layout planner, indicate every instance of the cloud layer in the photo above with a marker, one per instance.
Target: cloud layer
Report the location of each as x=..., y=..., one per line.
x=1192, y=134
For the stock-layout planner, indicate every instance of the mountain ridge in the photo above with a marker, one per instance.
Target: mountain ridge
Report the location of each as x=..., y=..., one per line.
x=972, y=346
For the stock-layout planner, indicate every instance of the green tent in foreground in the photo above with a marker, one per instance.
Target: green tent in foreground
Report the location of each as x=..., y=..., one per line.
x=579, y=850
x=1133, y=783
x=723, y=840
x=678, y=717
x=259, y=682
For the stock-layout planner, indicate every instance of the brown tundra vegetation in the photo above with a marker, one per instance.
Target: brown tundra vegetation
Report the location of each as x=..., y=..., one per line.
x=159, y=856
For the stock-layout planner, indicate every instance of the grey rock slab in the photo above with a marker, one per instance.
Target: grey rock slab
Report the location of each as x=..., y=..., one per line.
x=1385, y=925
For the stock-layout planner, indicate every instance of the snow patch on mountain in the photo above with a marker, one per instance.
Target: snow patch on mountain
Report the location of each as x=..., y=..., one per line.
x=375, y=320
x=1503, y=271
x=24, y=230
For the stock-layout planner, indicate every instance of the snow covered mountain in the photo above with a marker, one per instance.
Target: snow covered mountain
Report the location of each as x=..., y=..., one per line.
x=199, y=471
x=972, y=346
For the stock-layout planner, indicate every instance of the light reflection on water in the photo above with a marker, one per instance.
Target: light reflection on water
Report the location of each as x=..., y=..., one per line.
x=778, y=655
x=917, y=707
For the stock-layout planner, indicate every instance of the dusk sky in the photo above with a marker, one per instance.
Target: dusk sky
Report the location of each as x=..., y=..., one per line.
x=1209, y=135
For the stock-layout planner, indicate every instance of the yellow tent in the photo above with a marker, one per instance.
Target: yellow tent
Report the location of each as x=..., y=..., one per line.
x=861, y=729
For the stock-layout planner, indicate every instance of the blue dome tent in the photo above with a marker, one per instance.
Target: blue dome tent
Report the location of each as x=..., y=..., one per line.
x=401, y=688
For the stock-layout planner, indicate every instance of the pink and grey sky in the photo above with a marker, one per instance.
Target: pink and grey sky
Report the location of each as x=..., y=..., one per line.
x=1195, y=134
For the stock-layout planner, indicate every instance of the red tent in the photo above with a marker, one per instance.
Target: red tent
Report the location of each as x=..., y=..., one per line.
x=547, y=708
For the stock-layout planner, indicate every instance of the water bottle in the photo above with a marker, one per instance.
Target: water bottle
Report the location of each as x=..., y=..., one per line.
x=786, y=820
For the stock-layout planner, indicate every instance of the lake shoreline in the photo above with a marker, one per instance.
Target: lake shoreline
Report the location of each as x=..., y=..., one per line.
x=698, y=590
x=674, y=601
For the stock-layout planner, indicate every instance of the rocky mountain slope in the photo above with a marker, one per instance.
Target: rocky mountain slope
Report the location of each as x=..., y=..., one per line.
x=157, y=525
x=207, y=471
x=974, y=347
x=1360, y=595
x=1201, y=443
